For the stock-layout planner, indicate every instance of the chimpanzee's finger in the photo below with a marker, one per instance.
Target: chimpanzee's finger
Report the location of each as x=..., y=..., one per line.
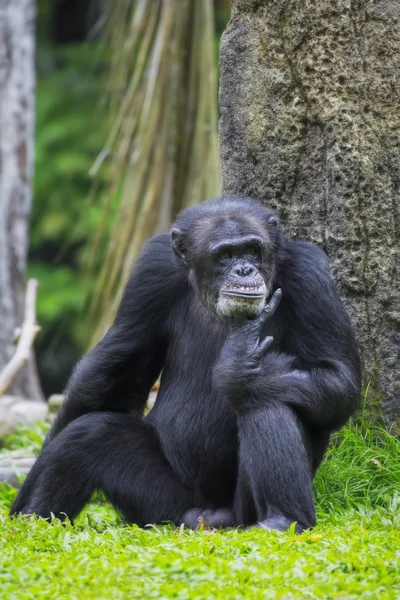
x=265, y=344
x=271, y=307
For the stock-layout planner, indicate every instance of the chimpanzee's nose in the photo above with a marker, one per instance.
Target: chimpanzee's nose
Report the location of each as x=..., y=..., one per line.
x=244, y=270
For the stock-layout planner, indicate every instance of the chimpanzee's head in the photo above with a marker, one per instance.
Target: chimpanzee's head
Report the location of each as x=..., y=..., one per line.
x=228, y=246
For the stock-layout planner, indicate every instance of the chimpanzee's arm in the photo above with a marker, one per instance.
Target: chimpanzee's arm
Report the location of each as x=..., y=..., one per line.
x=118, y=373
x=317, y=370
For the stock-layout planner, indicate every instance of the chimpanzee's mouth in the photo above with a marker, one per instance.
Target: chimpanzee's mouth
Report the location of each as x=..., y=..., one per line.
x=244, y=291
x=246, y=299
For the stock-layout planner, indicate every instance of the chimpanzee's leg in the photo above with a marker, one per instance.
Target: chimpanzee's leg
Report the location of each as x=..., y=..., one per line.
x=278, y=462
x=117, y=453
x=245, y=511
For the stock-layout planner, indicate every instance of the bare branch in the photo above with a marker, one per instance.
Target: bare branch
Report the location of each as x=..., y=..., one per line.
x=29, y=330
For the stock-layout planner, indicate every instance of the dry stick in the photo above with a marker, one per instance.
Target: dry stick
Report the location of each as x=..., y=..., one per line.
x=29, y=330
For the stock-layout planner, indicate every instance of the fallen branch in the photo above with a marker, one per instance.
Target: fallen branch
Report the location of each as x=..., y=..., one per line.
x=29, y=330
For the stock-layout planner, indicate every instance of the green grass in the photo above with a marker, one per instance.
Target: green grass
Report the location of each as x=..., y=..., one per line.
x=354, y=552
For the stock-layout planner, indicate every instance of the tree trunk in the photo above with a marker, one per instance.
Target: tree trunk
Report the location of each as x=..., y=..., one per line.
x=310, y=124
x=17, y=89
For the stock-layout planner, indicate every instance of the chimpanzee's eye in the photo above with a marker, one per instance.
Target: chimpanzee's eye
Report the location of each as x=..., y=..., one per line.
x=225, y=254
x=252, y=251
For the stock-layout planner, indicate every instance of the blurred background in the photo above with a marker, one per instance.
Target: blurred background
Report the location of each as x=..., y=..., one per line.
x=126, y=136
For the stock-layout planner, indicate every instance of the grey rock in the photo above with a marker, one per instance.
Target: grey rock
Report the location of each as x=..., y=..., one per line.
x=310, y=125
x=13, y=467
x=16, y=411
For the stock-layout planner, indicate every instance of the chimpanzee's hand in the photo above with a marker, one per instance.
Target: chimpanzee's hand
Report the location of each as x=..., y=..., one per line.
x=242, y=353
x=244, y=338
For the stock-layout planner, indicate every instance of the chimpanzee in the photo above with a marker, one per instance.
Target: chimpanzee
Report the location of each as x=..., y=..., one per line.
x=258, y=366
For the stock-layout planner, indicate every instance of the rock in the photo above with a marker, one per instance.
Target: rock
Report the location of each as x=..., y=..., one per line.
x=310, y=125
x=16, y=411
x=13, y=467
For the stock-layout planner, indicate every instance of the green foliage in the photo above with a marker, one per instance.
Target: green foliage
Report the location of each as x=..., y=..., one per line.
x=361, y=468
x=352, y=553
x=98, y=559
x=70, y=133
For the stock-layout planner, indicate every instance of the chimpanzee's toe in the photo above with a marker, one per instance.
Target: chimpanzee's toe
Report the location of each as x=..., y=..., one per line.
x=217, y=519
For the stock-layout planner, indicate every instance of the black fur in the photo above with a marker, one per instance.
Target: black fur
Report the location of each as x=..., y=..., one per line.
x=246, y=406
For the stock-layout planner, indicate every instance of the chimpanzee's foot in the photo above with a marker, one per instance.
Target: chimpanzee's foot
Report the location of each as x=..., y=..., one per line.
x=278, y=523
x=217, y=519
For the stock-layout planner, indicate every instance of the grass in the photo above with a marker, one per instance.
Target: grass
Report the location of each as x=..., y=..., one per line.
x=354, y=552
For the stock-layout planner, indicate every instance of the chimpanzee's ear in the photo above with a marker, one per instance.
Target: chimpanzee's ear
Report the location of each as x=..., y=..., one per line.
x=178, y=244
x=273, y=221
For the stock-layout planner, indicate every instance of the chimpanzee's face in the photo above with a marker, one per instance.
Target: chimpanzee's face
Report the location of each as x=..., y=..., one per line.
x=236, y=281
x=231, y=265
